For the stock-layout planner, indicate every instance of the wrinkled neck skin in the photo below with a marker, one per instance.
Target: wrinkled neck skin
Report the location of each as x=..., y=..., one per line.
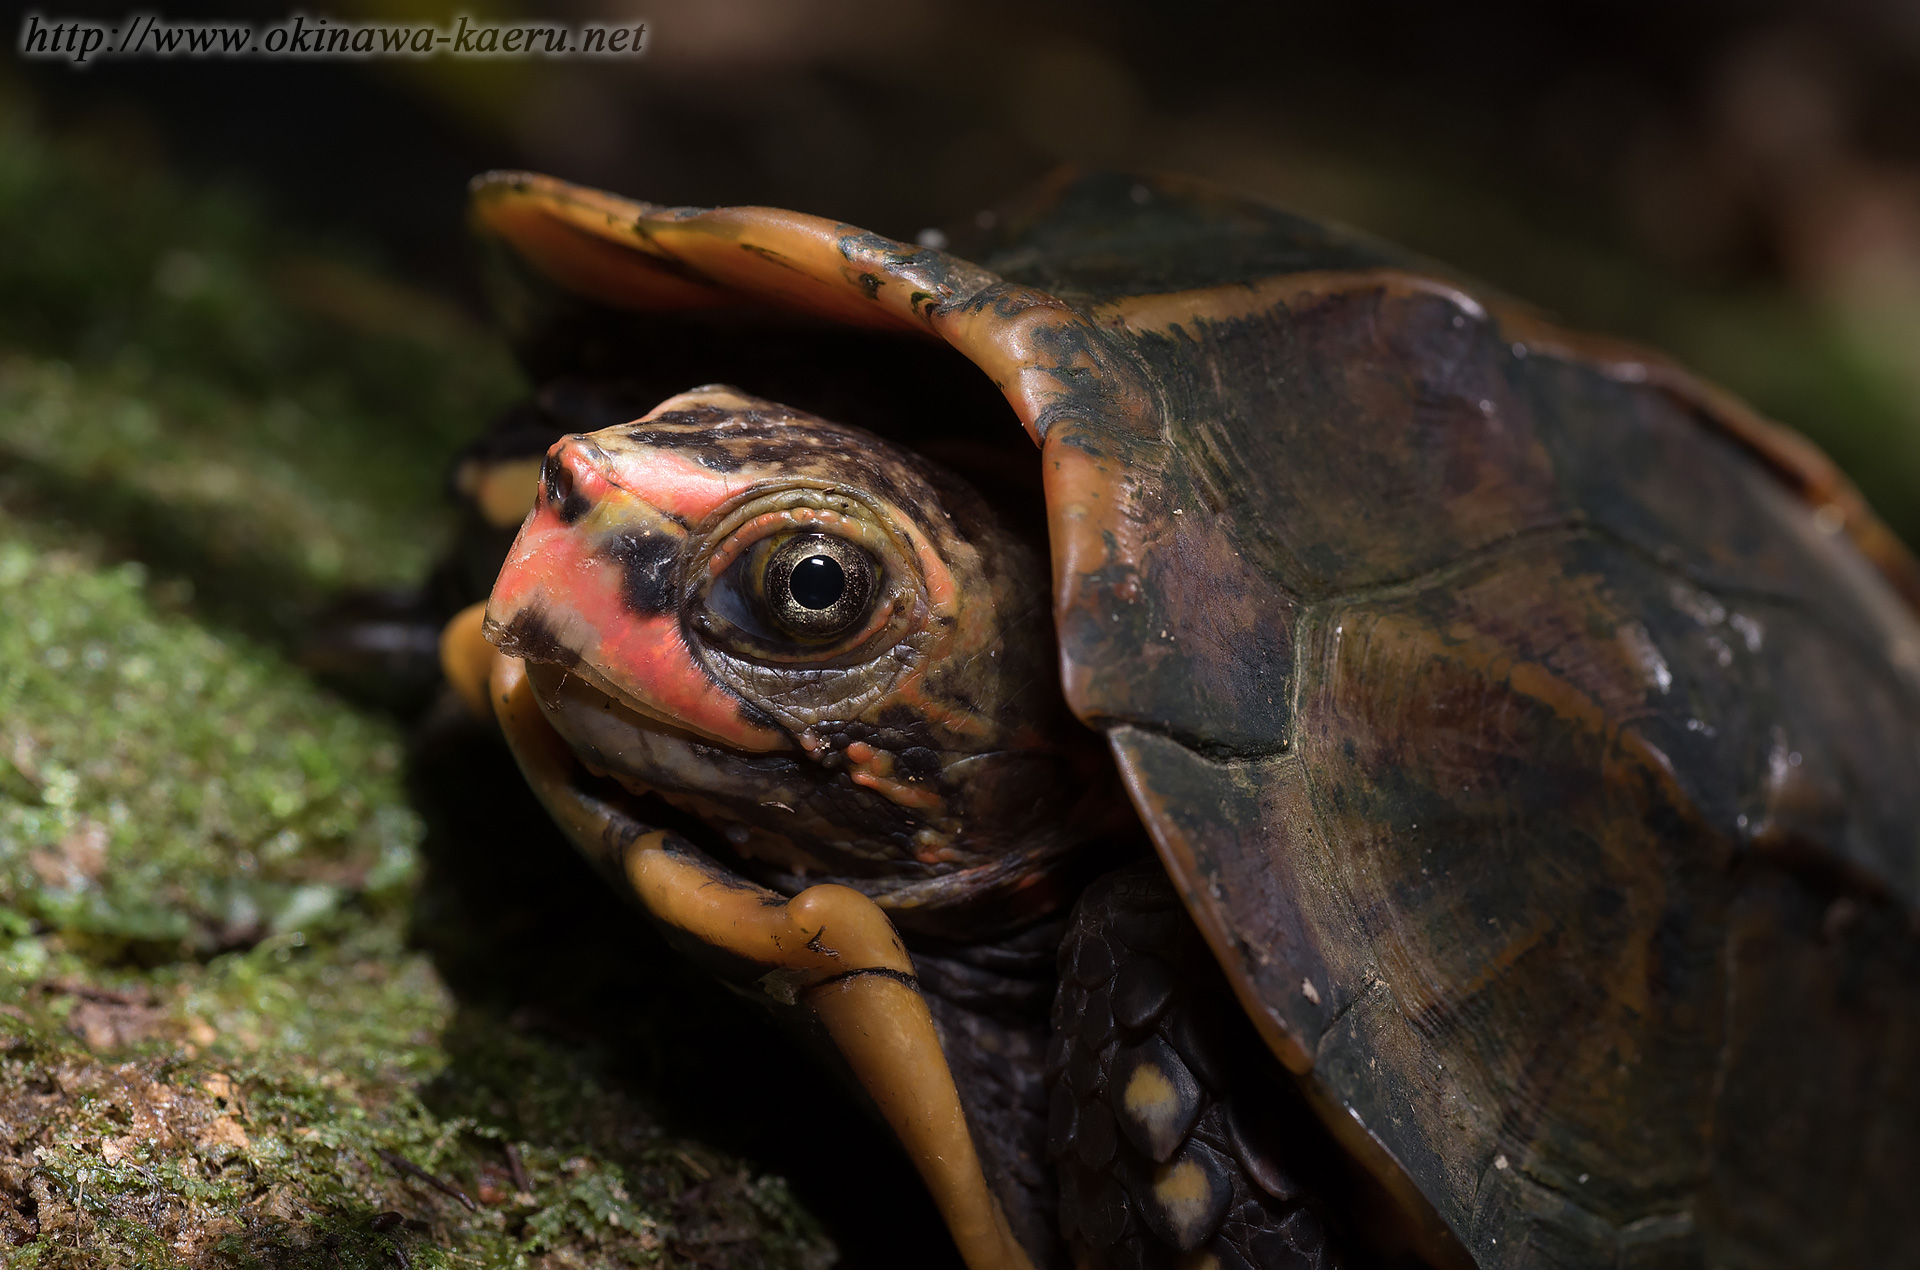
x=819, y=644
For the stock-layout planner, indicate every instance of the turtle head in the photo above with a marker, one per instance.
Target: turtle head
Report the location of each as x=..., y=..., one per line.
x=819, y=643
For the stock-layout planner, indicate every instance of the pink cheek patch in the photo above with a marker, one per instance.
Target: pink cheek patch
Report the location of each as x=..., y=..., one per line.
x=647, y=658
x=555, y=570
x=537, y=562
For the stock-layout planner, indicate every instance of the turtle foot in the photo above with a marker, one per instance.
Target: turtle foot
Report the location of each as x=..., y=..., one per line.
x=1170, y=1129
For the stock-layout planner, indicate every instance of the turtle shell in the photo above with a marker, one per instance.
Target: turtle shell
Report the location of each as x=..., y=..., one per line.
x=1532, y=731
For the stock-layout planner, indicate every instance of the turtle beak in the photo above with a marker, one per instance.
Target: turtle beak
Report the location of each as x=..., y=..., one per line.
x=594, y=584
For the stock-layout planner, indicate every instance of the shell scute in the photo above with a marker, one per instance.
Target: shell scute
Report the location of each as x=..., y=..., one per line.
x=1350, y=437
x=1529, y=728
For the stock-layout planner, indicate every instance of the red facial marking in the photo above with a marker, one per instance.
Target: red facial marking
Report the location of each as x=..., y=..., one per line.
x=563, y=573
x=671, y=482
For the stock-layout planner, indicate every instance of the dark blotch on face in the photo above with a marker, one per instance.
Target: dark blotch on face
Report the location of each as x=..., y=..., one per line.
x=648, y=562
x=568, y=503
x=528, y=635
x=722, y=440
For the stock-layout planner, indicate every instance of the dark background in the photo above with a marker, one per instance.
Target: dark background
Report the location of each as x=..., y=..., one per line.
x=1737, y=183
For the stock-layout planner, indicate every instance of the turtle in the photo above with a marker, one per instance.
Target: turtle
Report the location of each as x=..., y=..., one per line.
x=1250, y=747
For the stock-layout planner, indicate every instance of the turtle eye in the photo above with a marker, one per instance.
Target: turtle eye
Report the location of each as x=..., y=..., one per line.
x=817, y=586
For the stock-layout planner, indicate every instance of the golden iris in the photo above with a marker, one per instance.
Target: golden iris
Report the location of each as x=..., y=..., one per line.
x=817, y=586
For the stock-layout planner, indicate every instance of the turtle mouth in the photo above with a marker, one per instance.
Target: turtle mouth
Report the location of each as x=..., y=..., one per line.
x=778, y=819
x=745, y=807
x=570, y=694
x=550, y=673
x=655, y=720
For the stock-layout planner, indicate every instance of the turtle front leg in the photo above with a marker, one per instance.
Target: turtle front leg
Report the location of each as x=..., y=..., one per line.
x=829, y=949
x=1167, y=1116
x=990, y=1004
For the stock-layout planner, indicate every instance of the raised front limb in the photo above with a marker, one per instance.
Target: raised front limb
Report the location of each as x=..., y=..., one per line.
x=829, y=949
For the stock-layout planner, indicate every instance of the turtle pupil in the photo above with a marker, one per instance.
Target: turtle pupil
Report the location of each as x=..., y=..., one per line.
x=818, y=582
x=817, y=587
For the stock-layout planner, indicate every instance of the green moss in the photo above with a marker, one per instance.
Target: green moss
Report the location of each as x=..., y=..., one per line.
x=277, y=1139
x=225, y=401
x=217, y=1046
x=167, y=789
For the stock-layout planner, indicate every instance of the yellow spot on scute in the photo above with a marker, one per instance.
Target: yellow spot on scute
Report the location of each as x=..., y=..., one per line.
x=1150, y=1095
x=1185, y=1197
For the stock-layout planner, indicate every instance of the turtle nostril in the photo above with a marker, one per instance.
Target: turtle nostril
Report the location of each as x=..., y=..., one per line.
x=556, y=481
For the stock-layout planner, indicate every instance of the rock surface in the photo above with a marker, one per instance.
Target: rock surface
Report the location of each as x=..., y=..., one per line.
x=224, y=1040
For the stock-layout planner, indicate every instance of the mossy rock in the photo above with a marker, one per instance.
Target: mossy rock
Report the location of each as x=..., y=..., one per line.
x=223, y=1040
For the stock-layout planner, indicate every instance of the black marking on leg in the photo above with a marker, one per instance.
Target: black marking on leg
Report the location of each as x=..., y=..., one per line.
x=877, y=972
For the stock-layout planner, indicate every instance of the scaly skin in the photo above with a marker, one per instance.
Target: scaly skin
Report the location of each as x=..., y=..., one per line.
x=900, y=732
x=921, y=755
